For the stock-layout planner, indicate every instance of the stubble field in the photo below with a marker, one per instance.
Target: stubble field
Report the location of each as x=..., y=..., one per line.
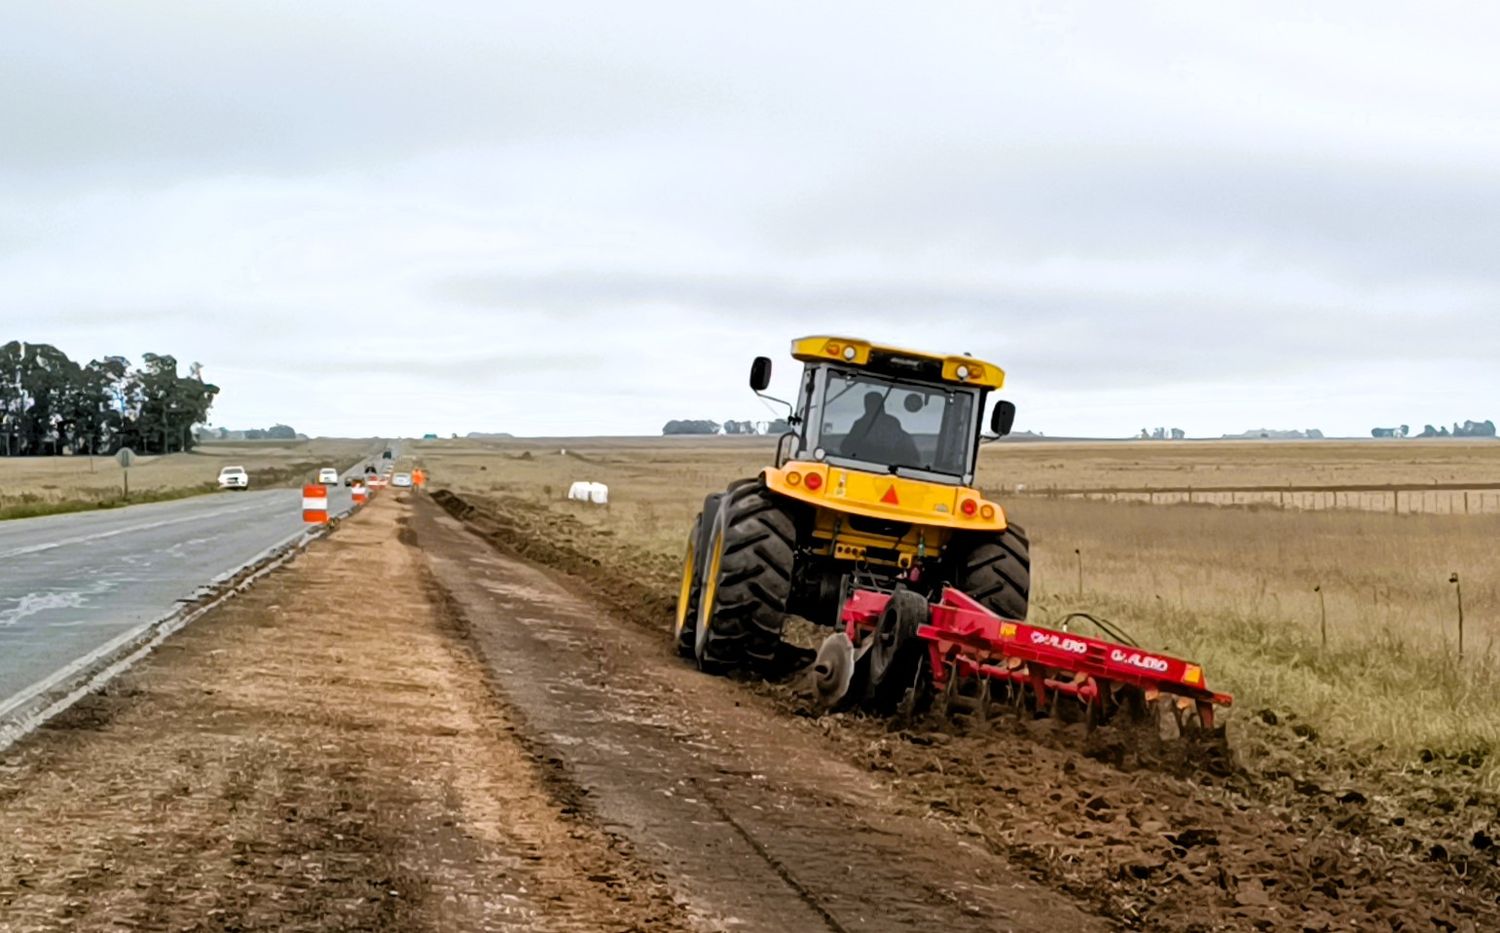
x=1243, y=589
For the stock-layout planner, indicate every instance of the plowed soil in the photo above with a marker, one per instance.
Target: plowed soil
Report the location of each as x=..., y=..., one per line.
x=1271, y=829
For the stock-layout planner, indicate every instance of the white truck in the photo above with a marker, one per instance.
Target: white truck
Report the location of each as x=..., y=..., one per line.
x=234, y=477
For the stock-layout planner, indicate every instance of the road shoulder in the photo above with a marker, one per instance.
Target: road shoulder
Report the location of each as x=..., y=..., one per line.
x=323, y=753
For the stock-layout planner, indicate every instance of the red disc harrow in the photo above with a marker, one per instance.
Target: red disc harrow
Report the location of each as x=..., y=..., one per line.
x=898, y=651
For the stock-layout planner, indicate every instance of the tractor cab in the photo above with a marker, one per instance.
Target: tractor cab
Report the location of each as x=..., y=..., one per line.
x=885, y=410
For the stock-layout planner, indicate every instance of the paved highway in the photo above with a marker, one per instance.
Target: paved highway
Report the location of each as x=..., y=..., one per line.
x=70, y=584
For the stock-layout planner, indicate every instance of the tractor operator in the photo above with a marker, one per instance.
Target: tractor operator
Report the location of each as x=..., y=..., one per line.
x=879, y=437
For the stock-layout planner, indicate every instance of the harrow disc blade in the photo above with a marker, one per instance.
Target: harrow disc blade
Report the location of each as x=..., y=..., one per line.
x=833, y=670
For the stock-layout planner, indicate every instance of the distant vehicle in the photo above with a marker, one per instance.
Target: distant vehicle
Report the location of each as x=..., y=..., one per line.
x=387, y=455
x=234, y=477
x=370, y=468
x=352, y=480
x=401, y=480
x=328, y=476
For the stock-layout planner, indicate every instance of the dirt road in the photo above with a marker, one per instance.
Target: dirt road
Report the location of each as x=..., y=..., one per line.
x=324, y=753
x=755, y=824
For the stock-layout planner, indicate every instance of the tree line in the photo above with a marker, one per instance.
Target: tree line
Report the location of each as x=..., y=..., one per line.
x=51, y=405
x=1485, y=428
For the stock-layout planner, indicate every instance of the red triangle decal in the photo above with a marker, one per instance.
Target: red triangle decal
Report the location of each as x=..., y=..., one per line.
x=890, y=496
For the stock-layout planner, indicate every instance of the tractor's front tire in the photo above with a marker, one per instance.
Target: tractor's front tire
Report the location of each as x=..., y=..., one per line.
x=685, y=622
x=996, y=571
x=747, y=577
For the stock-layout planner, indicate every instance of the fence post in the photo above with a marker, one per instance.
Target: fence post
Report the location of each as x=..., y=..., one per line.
x=1079, y=554
x=1458, y=591
x=1322, y=617
x=1322, y=609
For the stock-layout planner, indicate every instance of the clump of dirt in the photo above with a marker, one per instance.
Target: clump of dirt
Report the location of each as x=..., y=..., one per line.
x=1279, y=831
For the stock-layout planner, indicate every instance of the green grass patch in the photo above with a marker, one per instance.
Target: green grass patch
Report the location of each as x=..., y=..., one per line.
x=35, y=506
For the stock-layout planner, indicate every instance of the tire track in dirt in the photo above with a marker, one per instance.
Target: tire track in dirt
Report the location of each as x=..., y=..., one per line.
x=1287, y=833
x=754, y=824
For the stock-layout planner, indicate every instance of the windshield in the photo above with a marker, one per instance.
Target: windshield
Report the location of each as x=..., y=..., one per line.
x=873, y=420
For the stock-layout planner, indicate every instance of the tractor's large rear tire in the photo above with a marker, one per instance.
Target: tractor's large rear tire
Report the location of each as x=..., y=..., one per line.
x=996, y=571
x=747, y=577
x=685, y=622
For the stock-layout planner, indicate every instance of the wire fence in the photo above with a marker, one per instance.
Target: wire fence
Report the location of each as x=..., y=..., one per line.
x=1395, y=498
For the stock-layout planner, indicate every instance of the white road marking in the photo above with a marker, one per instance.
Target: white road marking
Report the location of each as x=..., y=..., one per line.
x=144, y=526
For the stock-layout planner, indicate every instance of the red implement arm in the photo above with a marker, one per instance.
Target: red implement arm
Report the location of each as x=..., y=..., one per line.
x=966, y=640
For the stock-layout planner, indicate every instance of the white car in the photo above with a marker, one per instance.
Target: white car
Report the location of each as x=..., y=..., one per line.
x=401, y=480
x=328, y=476
x=234, y=477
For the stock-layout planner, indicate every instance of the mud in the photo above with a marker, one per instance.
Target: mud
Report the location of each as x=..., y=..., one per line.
x=1273, y=829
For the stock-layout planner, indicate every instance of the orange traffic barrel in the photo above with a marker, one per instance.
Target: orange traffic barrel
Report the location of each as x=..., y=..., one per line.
x=360, y=495
x=315, y=504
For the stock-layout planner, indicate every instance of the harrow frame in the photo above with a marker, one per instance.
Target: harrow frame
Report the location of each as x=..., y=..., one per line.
x=970, y=650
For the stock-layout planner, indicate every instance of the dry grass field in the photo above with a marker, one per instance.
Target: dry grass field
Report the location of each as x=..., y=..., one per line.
x=1237, y=588
x=1241, y=463
x=37, y=485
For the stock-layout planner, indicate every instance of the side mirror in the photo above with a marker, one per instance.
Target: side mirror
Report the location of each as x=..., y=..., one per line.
x=760, y=373
x=1003, y=418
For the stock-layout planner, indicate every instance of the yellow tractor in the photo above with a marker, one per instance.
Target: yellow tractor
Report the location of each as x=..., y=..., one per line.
x=873, y=486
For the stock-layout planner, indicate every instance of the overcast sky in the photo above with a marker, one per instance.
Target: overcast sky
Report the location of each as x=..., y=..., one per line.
x=576, y=218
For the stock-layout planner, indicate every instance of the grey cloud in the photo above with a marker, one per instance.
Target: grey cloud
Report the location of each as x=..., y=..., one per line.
x=475, y=371
x=286, y=88
x=453, y=198
x=1082, y=335
x=1369, y=219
